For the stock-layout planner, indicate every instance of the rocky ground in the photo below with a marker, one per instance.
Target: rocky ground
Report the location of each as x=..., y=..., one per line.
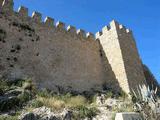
x=105, y=112
x=20, y=100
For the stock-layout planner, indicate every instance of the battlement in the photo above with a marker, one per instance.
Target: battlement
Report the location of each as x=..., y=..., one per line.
x=8, y=5
x=114, y=25
x=56, y=54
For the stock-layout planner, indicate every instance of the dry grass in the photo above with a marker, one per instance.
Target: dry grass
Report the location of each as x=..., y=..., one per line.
x=76, y=101
x=52, y=103
x=58, y=104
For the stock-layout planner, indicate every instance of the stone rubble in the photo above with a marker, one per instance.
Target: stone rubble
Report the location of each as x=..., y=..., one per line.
x=44, y=113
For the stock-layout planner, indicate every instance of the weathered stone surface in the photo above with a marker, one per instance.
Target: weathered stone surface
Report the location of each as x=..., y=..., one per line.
x=128, y=116
x=52, y=57
x=66, y=60
x=120, y=49
x=29, y=116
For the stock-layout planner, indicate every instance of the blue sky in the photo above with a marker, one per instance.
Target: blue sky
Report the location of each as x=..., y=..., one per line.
x=142, y=16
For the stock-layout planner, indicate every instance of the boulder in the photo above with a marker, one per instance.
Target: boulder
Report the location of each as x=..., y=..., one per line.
x=128, y=116
x=29, y=116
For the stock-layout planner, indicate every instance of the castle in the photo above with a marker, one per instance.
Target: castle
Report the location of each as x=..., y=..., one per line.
x=63, y=58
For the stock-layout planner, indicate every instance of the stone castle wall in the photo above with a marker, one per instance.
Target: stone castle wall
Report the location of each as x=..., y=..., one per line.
x=61, y=58
x=51, y=55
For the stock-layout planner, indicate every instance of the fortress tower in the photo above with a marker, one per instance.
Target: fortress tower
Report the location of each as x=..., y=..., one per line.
x=120, y=48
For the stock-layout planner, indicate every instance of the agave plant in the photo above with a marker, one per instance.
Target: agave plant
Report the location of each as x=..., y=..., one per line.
x=145, y=94
x=146, y=102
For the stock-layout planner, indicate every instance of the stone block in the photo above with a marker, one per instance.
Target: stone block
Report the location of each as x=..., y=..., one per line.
x=128, y=116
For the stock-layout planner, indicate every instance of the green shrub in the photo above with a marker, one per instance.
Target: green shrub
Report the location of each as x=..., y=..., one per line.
x=44, y=93
x=17, y=83
x=76, y=101
x=109, y=94
x=6, y=85
x=8, y=104
x=84, y=112
x=52, y=102
x=3, y=86
x=28, y=85
x=17, y=100
x=36, y=103
x=65, y=97
x=8, y=117
x=123, y=95
x=24, y=97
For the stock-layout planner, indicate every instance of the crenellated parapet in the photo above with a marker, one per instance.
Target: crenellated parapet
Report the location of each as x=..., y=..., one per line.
x=114, y=26
x=49, y=21
x=120, y=48
x=54, y=47
x=90, y=35
x=71, y=29
x=7, y=6
x=37, y=17
x=60, y=25
x=81, y=33
x=23, y=11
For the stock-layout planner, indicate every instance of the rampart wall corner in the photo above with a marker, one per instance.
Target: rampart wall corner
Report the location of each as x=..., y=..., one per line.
x=120, y=48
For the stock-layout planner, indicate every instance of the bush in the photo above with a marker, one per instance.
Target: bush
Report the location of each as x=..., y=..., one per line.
x=123, y=95
x=9, y=104
x=76, y=101
x=57, y=102
x=4, y=86
x=65, y=97
x=28, y=85
x=24, y=97
x=44, y=93
x=18, y=83
x=109, y=94
x=52, y=103
x=8, y=117
x=37, y=104
x=84, y=112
